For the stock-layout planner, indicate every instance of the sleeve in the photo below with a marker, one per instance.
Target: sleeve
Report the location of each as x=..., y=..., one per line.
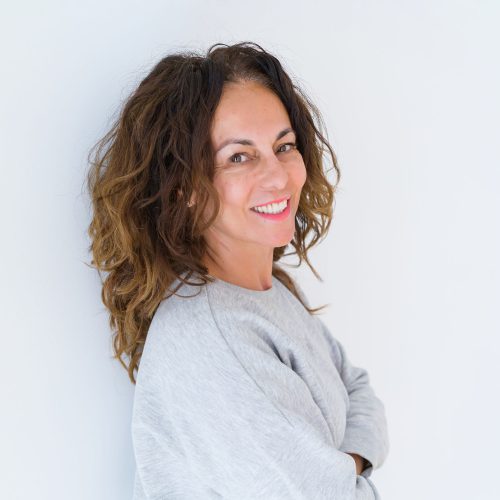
x=203, y=427
x=366, y=428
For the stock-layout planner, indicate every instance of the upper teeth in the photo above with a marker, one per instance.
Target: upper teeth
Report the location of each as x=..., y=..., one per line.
x=272, y=208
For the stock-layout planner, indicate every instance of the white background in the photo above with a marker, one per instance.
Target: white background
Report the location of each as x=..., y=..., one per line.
x=410, y=96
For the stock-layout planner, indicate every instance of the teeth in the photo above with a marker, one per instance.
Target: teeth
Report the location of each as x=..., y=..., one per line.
x=272, y=208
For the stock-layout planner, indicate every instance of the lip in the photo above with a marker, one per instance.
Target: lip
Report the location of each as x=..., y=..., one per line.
x=273, y=201
x=275, y=217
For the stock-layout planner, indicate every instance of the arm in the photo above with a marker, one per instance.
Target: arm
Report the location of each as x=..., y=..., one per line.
x=203, y=427
x=366, y=429
x=366, y=434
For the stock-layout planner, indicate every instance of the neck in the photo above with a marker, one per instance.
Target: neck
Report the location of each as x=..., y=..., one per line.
x=244, y=272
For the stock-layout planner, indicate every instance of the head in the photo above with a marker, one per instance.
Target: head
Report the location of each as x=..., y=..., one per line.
x=168, y=182
x=256, y=162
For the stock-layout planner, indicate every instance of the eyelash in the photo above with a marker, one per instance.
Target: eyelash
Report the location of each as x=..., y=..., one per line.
x=293, y=144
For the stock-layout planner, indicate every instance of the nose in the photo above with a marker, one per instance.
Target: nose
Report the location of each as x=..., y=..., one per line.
x=273, y=173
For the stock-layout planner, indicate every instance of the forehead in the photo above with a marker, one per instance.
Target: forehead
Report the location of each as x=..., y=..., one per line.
x=249, y=110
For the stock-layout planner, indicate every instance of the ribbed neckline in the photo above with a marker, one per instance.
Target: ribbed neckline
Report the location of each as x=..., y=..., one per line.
x=225, y=285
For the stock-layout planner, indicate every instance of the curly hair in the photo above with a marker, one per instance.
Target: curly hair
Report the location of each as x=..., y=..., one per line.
x=156, y=154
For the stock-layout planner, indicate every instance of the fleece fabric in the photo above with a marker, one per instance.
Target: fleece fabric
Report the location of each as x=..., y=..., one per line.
x=242, y=394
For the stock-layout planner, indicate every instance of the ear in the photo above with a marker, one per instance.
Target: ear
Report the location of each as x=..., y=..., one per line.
x=191, y=202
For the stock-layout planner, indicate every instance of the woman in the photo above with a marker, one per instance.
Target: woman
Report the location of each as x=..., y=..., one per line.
x=212, y=169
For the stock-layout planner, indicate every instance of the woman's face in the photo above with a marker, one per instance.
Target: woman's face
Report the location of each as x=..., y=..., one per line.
x=264, y=166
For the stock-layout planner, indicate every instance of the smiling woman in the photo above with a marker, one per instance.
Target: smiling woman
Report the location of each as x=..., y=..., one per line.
x=213, y=168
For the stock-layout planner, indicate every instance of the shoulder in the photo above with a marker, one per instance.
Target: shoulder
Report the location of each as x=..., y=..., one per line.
x=188, y=303
x=200, y=323
x=182, y=325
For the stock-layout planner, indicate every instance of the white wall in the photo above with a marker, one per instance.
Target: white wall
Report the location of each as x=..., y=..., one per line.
x=409, y=92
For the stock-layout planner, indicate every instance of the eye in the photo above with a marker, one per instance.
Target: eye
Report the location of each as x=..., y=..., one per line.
x=236, y=155
x=292, y=144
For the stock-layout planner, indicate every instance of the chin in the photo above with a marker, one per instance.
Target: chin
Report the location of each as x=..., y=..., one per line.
x=271, y=239
x=282, y=242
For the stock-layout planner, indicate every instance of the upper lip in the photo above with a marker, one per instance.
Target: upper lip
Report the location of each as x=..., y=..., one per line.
x=273, y=201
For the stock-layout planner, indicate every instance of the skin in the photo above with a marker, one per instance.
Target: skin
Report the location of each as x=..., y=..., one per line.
x=360, y=462
x=241, y=242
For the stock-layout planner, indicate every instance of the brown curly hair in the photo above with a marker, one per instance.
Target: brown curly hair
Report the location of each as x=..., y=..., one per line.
x=157, y=153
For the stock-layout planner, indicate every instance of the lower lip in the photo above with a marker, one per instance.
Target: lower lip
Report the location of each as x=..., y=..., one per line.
x=280, y=216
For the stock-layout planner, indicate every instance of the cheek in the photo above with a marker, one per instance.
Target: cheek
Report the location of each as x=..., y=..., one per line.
x=232, y=192
x=299, y=174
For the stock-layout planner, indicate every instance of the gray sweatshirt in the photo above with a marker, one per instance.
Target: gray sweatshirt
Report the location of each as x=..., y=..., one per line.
x=242, y=394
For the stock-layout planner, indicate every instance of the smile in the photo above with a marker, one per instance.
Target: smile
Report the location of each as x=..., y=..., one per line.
x=271, y=208
x=273, y=211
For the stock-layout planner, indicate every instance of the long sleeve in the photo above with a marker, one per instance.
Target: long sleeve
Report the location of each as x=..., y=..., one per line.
x=366, y=428
x=217, y=414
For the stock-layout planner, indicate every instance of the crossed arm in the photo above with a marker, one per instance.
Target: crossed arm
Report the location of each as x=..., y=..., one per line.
x=366, y=436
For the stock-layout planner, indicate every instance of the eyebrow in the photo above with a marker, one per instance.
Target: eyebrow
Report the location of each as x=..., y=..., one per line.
x=247, y=142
